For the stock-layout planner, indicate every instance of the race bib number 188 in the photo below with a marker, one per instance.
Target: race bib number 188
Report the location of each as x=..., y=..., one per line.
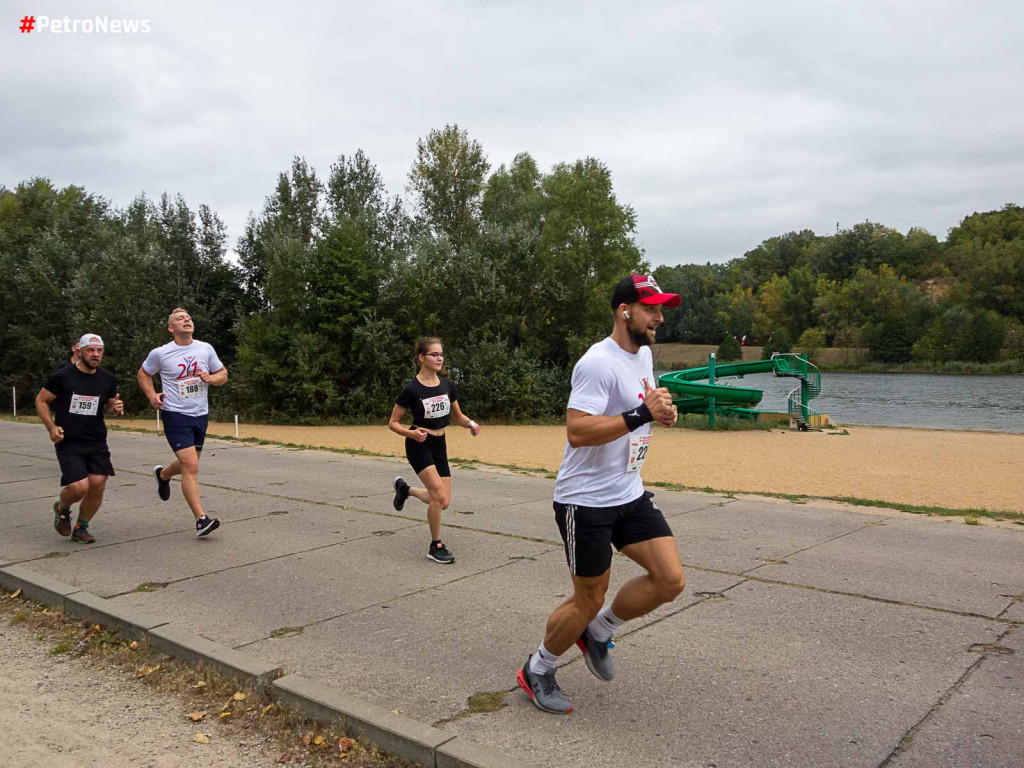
x=189, y=388
x=638, y=447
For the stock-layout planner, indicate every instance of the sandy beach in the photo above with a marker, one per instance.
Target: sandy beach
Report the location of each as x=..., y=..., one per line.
x=909, y=466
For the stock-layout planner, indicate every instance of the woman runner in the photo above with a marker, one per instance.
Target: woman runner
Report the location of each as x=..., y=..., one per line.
x=432, y=398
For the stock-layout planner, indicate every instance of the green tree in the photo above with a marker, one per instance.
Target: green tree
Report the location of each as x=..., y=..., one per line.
x=586, y=246
x=811, y=342
x=729, y=349
x=447, y=182
x=779, y=341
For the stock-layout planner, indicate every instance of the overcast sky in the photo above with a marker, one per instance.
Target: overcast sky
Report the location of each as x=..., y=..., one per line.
x=723, y=123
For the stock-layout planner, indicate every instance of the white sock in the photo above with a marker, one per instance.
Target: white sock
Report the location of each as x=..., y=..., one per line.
x=604, y=625
x=543, y=661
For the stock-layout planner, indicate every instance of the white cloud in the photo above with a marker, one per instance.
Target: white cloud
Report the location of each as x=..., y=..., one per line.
x=723, y=123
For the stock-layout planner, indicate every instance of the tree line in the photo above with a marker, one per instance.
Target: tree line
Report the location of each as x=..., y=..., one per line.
x=334, y=279
x=898, y=298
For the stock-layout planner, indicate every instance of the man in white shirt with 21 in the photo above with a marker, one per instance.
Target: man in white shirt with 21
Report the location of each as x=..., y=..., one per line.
x=187, y=368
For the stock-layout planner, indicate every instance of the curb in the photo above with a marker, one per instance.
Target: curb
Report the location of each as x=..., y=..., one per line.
x=397, y=734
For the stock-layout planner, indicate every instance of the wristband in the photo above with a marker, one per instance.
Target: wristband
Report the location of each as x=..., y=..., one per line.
x=473, y=424
x=638, y=417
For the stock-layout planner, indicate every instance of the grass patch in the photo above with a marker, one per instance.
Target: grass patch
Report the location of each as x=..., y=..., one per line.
x=62, y=647
x=286, y=632
x=724, y=424
x=971, y=520
x=150, y=586
x=799, y=498
x=19, y=617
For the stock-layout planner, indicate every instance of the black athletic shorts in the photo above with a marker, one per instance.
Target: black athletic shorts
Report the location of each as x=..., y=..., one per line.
x=432, y=452
x=79, y=461
x=589, y=532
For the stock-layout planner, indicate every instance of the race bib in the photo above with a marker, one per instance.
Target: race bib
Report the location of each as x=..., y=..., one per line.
x=190, y=388
x=638, y=447
x=436, y=407
x=85, y=405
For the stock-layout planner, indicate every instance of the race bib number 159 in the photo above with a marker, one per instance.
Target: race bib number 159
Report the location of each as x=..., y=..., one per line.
x=85, y=405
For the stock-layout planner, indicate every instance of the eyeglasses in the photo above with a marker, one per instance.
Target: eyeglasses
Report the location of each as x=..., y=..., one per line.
x=434, y=354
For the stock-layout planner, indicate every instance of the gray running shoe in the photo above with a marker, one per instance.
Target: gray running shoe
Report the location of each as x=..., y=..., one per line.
x=543, y=691
x=595, y=653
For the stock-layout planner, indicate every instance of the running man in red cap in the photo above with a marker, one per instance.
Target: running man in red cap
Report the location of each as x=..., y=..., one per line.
x=80, y=393
x=599, y=498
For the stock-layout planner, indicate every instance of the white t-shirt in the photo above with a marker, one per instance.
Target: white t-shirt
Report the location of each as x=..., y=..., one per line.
x=606, y=381
x=179, y=367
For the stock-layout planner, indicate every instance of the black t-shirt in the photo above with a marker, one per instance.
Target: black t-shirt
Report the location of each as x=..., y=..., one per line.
x=81, y=398
x=431, y=406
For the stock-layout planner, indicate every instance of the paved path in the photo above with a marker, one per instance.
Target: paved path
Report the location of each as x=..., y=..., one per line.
x=808, y=635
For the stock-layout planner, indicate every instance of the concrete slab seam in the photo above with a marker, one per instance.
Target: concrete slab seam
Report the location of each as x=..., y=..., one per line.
x=907, y=739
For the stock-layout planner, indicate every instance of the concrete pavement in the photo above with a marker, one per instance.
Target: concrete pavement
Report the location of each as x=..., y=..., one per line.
x=808, y=634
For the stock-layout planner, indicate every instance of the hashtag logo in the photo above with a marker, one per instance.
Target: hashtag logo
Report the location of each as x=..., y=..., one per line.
x=28, y=24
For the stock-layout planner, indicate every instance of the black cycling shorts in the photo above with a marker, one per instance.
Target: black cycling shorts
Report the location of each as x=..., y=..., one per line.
x=589, y=532
x=78, y=462
x=432, y=452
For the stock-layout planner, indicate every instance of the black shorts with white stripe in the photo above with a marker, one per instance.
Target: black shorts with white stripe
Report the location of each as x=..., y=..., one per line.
x=590, y=532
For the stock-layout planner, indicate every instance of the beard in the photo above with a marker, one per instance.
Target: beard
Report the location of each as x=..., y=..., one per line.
x=639, y=335
x=94, y=364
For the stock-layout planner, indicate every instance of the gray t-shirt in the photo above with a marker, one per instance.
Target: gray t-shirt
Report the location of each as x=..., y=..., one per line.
x=179, y=367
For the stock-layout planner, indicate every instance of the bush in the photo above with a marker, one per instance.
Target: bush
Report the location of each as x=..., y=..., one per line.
x=729, y=349
x=811, y=342
x=779, y=341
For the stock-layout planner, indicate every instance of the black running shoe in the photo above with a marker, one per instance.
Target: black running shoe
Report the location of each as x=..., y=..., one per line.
x=206, y=525
x=401, y=493
x=61, y=520
x=439, y=553
x=163, y=487
x=81, y=534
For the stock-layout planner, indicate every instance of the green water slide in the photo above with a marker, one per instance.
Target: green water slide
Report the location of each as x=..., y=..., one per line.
x=695, y=390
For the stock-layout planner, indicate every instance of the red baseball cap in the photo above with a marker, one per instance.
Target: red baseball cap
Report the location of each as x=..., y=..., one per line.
x=642, y=288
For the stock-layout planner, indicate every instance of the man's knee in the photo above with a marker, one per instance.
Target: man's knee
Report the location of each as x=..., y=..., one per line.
x=189, y=466
x=97, y=484
x=589, y=601
x=670, y=586
x=443, y=498
x=78, y=489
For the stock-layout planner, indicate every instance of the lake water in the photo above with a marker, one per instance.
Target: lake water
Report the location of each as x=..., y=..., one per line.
x=932, y=401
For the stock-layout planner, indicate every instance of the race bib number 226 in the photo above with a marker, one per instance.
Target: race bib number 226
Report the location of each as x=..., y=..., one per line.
x=436, y=407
